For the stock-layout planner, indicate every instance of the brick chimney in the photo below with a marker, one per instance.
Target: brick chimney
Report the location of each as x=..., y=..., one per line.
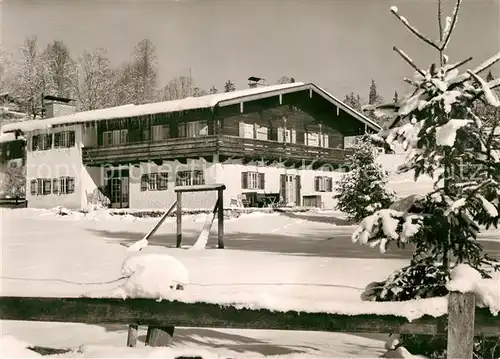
x=58, y=106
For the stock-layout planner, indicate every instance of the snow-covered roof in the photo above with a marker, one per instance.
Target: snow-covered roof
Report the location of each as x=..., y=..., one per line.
x=8, y=137
x=189, y=103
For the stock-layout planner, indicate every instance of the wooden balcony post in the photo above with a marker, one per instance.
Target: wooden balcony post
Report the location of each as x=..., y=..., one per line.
x=461, y=317
x=179, y=219
x=132, y=335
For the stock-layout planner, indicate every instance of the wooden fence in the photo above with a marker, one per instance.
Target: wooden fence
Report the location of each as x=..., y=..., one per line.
x=463, y=322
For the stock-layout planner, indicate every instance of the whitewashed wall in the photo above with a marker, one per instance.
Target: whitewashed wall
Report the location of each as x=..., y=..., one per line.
x=165, y=198
x=54, y=163
x=230, y=174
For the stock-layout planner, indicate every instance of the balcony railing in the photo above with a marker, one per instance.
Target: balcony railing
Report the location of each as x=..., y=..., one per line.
x=169, y=149
x=223, y=145
x=249, y=147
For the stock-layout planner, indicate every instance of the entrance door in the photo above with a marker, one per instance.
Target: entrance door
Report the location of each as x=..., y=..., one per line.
x=290, y=191
x=119, y=189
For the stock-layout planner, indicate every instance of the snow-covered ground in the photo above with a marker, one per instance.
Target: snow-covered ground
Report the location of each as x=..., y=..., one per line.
x=267, y=257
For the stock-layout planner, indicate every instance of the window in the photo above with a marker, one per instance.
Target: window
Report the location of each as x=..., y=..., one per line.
x=154, y=181
x=312, y=139
x=107, y=138
x=288, y=135
x=47, y=186
x=64, y=139
x=160, y=132
x=193, y=129
x=41, y=142
x=252, y=180
x=66, y=185
x=33, y=187
x=190, y=178
x=114, y=138
x=323, y=184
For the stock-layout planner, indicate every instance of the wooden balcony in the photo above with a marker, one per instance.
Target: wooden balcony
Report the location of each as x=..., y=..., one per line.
x=170, y=149
x=271, y=150
x=223, y=145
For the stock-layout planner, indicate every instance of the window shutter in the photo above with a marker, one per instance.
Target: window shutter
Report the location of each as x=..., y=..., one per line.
x=262, y=182
x=71, y=184
x=244, y=180
x=281, y=134
x=48, y=141
x=241, y=129
x=55, y=186
x=71, y=139
x=283, y=188
x=34, y=143
x=33, y=187
x=329, y=184
x=316, y=184
x=298, y=189
x=144, y=182
x=57, y=137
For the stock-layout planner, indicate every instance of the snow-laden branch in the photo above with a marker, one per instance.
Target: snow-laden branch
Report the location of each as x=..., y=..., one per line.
x=408, y=60
x=458, y=64
x=485, y=65
x=417, y=33
x=489, y=95
x=449, y=28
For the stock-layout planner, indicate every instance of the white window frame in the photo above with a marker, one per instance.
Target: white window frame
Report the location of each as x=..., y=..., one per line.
x=159, y=132
x=107, y=138
x=253, y=180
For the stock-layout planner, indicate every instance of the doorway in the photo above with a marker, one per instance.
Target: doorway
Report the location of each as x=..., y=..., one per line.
x=118, y=184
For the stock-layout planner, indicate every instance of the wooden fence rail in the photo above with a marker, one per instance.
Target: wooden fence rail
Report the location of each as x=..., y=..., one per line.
x=168, y=314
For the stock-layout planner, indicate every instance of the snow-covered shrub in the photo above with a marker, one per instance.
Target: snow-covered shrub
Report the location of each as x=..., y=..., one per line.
x=362, y=190
x=445, y=134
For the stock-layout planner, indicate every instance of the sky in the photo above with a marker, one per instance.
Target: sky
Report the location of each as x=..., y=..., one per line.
x=340, y=45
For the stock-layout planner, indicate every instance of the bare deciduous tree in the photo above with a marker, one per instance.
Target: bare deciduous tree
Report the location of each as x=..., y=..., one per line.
x=30, y=77
x=178, y=88
x=95, y=80
x=14, y=182
x=144, y=71
x=61, y=70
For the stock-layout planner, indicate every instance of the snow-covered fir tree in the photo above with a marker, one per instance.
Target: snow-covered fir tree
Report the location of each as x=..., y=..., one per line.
x=362, y=190
x=451, y=142
x=229, y=86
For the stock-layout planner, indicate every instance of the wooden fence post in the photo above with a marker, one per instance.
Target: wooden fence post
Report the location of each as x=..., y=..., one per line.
x=159, y=336
x=179, y=219
x=132, y=335
x=220, y=210
x=461, y=316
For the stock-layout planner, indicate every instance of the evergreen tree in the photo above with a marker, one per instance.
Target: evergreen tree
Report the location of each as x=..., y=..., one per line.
x=450, y=140
x=395, y=99
x=213, y=90
x=362, y=190
x=353, y=101
x=229, y=86
x=373, y=96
